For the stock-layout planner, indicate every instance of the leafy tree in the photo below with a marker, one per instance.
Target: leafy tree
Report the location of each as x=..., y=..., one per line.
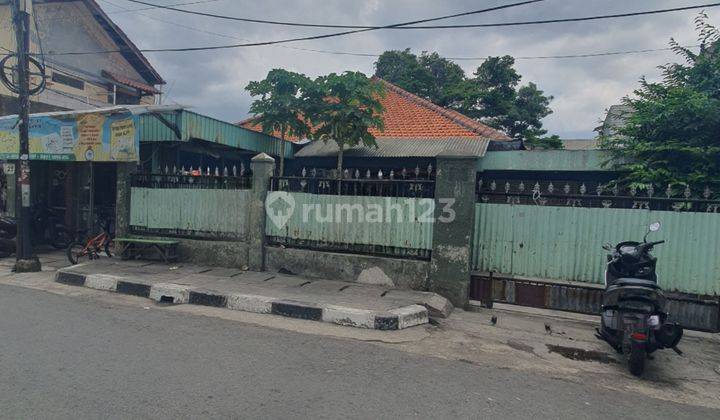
x=448, y=79
x=349, y=107
x=671, y=137
x=495, y=99
x=546, y=142
x=430, y=76
x=403, y=69
x=282, y=106
x=493, y=95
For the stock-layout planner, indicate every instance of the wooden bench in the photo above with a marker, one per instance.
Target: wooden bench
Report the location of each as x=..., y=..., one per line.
x=136, y=248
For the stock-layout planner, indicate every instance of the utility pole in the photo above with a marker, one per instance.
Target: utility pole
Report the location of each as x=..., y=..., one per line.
x=25, y=261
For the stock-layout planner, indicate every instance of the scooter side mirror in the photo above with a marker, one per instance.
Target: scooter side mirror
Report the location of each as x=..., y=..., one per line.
x=653, y=227
x=607, y=247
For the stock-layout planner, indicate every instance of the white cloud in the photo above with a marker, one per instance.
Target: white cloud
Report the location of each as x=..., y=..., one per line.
x=214, y=82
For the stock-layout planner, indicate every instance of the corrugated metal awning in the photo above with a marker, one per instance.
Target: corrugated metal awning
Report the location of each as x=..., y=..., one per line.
x=403, y=147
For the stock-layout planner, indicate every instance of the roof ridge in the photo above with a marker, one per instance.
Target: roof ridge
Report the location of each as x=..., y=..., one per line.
x=247, y=120
x=98, y=13
x=452, y=115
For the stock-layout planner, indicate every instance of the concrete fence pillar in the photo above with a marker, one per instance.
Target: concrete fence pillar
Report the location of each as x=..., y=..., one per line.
x=263, y=167
x=453, y=228
x=125, y=170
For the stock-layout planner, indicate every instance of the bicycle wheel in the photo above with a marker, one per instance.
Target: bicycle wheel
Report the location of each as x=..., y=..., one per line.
x=77, y=252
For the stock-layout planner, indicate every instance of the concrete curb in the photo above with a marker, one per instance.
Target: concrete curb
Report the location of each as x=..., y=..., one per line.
x=396, y=319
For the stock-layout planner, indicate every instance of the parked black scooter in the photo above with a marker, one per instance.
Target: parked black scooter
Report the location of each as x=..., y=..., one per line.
x=8, y=231
x=634, y=321
x=46, y=228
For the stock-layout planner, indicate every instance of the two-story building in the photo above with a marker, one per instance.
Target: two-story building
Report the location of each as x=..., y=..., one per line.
x=71, y=185
x=80, y=81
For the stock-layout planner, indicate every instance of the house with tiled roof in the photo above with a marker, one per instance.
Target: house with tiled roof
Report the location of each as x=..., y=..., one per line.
x=415, y=132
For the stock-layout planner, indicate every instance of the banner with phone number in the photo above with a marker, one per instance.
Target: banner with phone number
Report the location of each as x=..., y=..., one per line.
x=79, y=138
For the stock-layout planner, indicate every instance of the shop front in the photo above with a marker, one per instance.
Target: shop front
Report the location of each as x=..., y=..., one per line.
x=73, y=168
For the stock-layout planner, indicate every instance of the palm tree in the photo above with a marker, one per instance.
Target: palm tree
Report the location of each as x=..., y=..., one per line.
x=349, y=107
x=282, y=106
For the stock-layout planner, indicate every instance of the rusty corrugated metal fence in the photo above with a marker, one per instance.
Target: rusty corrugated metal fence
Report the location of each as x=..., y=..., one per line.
x=564, y=243
x=198, y=213
x=323, y=219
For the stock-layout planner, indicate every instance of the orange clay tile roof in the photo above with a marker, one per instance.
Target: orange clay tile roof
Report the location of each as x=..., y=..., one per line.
x=409, y=116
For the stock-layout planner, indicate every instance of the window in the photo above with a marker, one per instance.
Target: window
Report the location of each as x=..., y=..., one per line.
x=68, y=80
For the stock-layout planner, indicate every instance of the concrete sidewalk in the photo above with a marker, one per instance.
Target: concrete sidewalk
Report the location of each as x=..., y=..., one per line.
x=350, y=304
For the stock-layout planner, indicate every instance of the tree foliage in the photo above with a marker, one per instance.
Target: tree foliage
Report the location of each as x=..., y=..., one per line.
x=282, y=106
x=346, y=106
x=672, y=137
x=492, y=95
x=428, y=75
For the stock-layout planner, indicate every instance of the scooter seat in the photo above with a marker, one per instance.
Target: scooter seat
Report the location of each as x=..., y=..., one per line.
x=629, y=281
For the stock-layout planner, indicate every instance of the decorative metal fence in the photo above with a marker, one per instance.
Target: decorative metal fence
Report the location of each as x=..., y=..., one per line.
x=567, y=193
x=179, y=181
x=378, y=183
x=190, y=206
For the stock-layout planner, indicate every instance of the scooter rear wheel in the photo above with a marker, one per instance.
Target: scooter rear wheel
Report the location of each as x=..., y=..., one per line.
x=636, y=361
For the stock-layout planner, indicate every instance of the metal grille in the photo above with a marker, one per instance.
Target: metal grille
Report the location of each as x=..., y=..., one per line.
x=415, y=188
x=205, y=182
x=568, y=193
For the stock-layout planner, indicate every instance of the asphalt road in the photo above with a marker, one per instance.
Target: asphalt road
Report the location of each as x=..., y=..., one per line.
x=70, y=357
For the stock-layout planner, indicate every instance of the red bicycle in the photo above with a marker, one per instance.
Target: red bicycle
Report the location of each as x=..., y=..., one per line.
x=91, y=248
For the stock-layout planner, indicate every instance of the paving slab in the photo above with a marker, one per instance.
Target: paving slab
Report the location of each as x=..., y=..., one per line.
x=343, y=303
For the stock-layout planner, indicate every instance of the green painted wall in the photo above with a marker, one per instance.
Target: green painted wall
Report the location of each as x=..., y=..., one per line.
x=215, y=212
x=406, y=234
x=543, y=160
x=565, y=243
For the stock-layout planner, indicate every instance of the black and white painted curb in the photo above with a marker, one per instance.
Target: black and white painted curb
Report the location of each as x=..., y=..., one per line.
x=396, y=319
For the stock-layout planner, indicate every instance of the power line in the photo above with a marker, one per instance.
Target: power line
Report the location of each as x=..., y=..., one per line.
x=375, y=55
x=600, y=54
x=306, y=38
x=564, y=56
x=169, y=22
x=76, y=98
x=140, y=9
x=409, y=26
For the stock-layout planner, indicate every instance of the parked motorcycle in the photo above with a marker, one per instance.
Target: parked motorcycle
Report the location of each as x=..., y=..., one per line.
x=8, y=231
x=46, y=228
x=634, y=320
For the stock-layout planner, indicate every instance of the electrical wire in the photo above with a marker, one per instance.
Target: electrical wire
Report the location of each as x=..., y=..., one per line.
x=600, y=54
x=37, y=34
x=67, y=95
x=410, y=26
x=140, y=9
x=374, y=55
x=169, y=22
x=73, y=18
x=306, y=38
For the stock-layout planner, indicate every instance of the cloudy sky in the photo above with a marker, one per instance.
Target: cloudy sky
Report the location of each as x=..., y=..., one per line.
x=213, y=82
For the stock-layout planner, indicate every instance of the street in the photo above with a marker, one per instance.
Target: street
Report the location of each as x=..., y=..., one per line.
x=80, y=357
